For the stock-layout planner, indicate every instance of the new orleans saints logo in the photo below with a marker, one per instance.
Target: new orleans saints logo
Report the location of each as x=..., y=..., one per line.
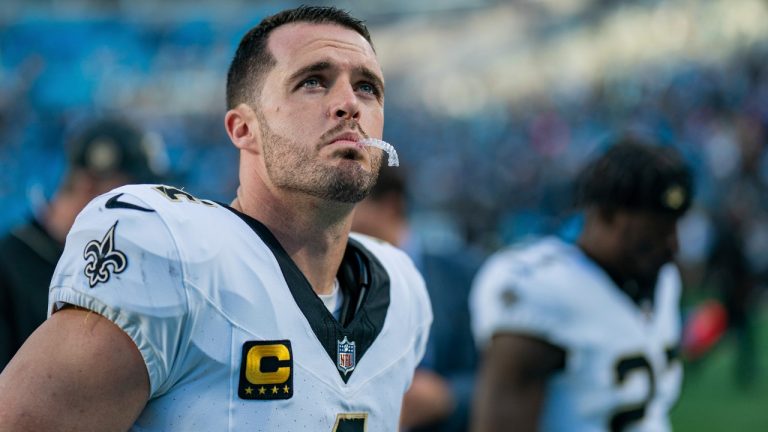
x=103, y=259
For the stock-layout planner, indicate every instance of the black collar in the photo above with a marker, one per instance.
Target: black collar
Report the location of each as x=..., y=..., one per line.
x=364, y=282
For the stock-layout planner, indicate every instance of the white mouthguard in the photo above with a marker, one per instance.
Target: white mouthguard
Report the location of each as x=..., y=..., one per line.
x=387, y=147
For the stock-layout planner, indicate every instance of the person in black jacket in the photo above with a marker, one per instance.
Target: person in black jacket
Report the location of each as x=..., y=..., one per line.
x=107, y=153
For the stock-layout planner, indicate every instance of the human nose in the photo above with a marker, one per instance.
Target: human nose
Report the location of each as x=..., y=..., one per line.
x=344, y=103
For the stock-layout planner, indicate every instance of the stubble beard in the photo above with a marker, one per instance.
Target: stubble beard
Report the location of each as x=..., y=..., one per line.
x=296, y=167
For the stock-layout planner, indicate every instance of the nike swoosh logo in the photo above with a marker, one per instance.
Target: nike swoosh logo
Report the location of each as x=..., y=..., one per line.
x=113, y=203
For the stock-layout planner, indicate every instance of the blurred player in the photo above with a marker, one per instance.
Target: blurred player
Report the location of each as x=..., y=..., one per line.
x=440, y=396
x=174, y=313
x=583, y=337
x=106, y=154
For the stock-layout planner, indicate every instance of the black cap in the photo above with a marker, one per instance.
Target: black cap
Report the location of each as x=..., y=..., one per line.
x=637, y=175
x=116, y=146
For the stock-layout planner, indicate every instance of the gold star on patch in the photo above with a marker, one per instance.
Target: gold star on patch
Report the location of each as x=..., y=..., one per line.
x=273, y=383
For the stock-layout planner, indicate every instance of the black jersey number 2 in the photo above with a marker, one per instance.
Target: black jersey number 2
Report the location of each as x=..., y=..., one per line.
x=633, y=413
x=351, y=422
x=627, y=415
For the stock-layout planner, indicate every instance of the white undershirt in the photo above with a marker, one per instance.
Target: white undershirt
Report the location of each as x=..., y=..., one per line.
x=334, y=300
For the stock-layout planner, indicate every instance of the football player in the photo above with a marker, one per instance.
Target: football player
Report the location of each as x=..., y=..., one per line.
x=171, y=312
x=583, y=337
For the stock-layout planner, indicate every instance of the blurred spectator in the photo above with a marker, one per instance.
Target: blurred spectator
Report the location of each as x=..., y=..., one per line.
x=441, y=392
x=738, y=262
x=515, y=164
x=107, y=154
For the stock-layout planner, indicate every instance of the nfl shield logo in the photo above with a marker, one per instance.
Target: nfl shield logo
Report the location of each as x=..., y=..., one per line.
x=345, y=355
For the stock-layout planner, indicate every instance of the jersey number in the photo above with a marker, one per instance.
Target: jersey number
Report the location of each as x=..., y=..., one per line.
x=351, y=422
x=624, y=367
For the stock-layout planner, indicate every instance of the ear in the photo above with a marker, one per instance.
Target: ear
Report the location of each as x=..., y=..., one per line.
x=243, y=128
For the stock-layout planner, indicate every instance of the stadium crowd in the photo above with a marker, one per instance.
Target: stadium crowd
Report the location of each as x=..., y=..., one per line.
x=497, y=175
x=489, y=180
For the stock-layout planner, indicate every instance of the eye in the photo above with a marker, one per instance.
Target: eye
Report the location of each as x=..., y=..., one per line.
x=368, y=88
x=312, y=82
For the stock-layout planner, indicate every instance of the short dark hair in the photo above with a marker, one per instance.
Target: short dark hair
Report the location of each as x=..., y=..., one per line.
x=252, y=59
x=634, y=174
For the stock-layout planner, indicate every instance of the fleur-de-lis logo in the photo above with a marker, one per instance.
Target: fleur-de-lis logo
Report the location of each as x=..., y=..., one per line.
x=101, y=256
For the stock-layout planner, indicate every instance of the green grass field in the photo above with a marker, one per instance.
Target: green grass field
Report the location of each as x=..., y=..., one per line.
x=712, y=402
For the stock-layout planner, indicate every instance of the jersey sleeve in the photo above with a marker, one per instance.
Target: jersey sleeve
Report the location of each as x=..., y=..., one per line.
x=417, y=290
x=669, y=291
x=424, y=311
x=411, y=290
x=507, y=296
x=400, y=265
x=121, y=262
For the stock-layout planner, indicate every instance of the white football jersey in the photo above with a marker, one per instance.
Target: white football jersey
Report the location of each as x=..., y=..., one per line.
x=232, y=334
x=621, y=371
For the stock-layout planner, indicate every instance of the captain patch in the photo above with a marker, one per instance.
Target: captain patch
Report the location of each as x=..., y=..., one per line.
x=266, y=370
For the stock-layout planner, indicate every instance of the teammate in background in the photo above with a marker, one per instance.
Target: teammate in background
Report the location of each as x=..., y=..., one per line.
x=583, y=337
x=107, y=153
x=441, y=393
x=174, y=313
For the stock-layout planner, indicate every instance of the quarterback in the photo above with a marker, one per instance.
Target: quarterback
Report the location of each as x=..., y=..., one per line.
x=583, y=337
x=171, y=312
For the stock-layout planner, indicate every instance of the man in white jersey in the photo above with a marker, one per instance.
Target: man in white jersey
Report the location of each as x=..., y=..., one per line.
x=170, y=312
x=582, y=337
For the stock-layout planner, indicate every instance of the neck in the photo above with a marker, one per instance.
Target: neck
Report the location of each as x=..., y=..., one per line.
x=599, y=250
x=598, y=246
x=314, y=232
x=600, y=257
